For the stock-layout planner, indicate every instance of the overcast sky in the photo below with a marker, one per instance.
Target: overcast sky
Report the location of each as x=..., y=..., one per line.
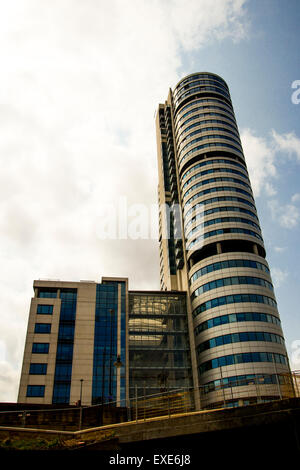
x=79, y=86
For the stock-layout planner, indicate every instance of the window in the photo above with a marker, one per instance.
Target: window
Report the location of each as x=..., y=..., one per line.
x=42, y=328
x=37, y=369
x=236, y=298
x=40, y=348
x=35, y=390
x=44, y=309
x=47, y=292
x=242, y=358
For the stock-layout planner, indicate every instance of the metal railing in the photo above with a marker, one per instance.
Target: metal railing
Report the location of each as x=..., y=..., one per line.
x=236, y=393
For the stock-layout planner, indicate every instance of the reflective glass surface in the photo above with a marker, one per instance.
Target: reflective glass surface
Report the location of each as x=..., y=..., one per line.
x=65, y=343
x=105, y=343
x=159, y=357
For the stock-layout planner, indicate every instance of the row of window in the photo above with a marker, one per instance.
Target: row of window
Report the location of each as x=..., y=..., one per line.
x=234, y=299
x=223, y=115
x=214, y=210
x=215, y=190
x=239, y=338
x=220, y=220
x=206, y=107
x=215, y=180
x=182, y=132
x=221, y=231
x=241, y=359
x=194, y=209
x=232, y=263
x=217, y=161
x=207, y=137
x=214, y=170
x=180, y=91
x=202, y=88
x=207, y=129
x=236, y=317
x=237, y=148
x=208, y=101
x=243, y=380
x=231, y=281
x=201, y=123
x=67, y=294
x=200, y=75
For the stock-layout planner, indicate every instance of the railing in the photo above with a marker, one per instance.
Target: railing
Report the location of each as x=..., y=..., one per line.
x=140, y=408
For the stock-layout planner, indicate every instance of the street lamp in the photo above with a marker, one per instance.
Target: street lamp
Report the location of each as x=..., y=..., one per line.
x=118, y=362
x=81, y=380
x=80, y=403
x=112, y=315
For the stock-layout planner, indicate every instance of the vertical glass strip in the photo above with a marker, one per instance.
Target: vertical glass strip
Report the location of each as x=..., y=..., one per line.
x=105, y=343
x=65, y=344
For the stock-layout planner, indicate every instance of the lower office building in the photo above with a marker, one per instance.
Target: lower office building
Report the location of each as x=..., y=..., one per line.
x=99, y=342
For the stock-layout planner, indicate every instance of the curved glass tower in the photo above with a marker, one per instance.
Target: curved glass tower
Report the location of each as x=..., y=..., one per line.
x=211, y=244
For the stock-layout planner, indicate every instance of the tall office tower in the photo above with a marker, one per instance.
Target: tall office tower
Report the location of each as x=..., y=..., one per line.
x=211, y=243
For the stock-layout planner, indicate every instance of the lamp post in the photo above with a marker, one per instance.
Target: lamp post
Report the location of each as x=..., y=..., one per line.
x=118, y=364
x=112, y=312
x=81, y=380
x=80, y=401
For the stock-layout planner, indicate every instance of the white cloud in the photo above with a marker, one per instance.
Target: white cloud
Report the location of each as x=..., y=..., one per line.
x=80, y=85
x=288, y=143
x=279, y=276
x=280, y=249
x=263, y=155
x=260, y=159
x=287, y=215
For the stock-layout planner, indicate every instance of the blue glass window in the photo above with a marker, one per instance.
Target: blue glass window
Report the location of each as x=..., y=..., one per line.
x=47, y=292
x=42, y=328
x=44, y=309
x=35, y=391
x=40, y=348
x=241, y=358
x=65, y=345
x=227, y=281
x=236, y=298
x=38, y=369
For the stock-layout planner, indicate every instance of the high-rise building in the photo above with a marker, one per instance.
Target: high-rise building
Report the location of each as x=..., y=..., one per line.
x=211, y=243
x=214, y=325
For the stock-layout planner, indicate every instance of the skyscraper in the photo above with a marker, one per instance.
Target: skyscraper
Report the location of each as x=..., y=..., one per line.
x=213, y=329
x=211, y=243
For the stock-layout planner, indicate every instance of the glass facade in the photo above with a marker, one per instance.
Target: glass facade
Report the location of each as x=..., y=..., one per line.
x=108, y=304
x=65, y=344
x=159, y=353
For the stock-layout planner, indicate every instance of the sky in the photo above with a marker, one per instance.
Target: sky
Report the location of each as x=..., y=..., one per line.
x=79, y=87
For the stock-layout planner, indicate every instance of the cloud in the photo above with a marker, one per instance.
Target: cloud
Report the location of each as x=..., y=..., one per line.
x=287, y=215
x=280, y=249
x=279, y=276
x=288, y=143
x=260, y=158
x=81, y=84
x=263, y=155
